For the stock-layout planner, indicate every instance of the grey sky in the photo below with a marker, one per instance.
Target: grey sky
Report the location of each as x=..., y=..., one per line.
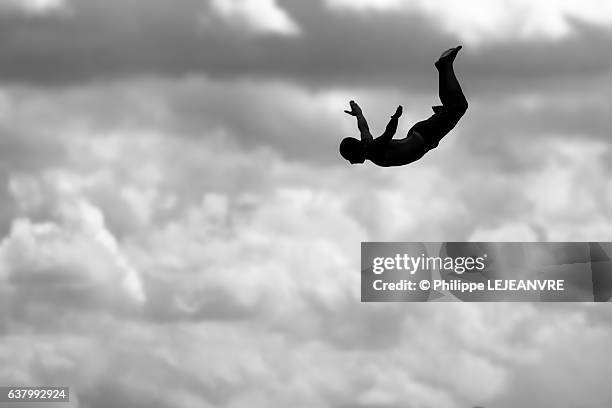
x=174, y=211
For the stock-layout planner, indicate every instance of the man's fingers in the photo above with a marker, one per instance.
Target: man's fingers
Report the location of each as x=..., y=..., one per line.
x=398, y=112
x=350, y=113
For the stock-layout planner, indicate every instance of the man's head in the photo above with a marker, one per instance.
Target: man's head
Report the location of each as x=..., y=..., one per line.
x=352, y=150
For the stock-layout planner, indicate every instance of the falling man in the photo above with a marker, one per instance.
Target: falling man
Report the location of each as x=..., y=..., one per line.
x=423, y=136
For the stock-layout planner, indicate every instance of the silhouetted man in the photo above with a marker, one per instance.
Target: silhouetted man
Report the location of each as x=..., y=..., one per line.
x=422, y=137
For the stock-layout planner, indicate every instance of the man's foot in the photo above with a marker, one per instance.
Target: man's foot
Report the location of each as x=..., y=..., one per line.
x=448, y=57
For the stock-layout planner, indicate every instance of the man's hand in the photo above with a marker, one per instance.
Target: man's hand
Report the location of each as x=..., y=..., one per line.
x=355, y=109
x=362, y=124
x=391, y=127
x=397, y=113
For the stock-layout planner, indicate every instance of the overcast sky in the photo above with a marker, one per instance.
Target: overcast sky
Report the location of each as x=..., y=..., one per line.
x=179, y=230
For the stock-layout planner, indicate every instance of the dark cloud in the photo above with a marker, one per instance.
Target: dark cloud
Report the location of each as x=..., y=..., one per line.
x=105, y=40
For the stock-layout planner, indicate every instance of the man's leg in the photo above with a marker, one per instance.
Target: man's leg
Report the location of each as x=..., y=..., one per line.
x=455, y=105
x=450, y=92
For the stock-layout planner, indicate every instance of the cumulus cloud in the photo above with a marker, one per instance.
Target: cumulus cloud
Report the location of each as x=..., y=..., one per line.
x=215, y=276
x=73, y=263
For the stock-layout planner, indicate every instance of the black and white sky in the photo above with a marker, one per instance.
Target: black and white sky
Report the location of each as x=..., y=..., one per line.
x=179, y=230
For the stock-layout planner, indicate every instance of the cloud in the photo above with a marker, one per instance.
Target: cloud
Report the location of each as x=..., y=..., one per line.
x=178, y=215
x=214, y=365
x=215, y=274
x=33, y=7
x=215, y=259
x=264, y=16
x=480, y=21
x=505, y=233
x=250, y=255
x=250, y=137
x=378, y=49
x=71, y=265
x=541, y=384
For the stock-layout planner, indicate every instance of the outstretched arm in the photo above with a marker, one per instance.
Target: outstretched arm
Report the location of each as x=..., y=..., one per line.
x=362, y=124
x=391, y=127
